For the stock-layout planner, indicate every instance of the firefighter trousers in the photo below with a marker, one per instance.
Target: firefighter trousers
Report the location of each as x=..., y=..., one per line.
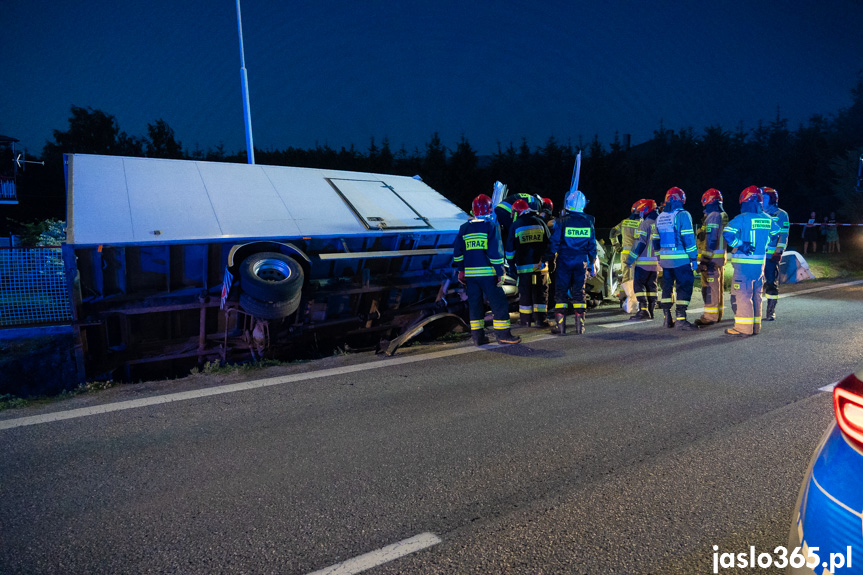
x=570, y=287
x=532, y=293
x=771, y=279
x=679, y=280
x=479, y=289
x=713, y=291
x=644, y=284
x=746, y=298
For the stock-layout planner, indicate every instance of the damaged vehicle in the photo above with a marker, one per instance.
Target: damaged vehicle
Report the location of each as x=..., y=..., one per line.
x=173, y=263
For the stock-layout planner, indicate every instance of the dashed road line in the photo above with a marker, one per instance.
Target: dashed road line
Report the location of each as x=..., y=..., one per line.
x=248, y=385
x=382, y=555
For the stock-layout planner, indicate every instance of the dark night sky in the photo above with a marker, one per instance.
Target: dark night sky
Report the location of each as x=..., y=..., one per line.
x=339, y=73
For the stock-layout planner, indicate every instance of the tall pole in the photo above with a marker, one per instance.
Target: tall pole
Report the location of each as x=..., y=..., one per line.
x=244, y=80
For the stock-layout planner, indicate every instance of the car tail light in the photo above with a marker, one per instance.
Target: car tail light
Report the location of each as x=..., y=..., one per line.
x=848, y=405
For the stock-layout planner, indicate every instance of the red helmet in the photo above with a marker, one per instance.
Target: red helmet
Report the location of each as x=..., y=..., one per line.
x=547, y=205
x=643, y=206
x=710, y=196
x=772, y=194
x=675, y=193
x=520, y=206
x=752, y=192
x=481, y=206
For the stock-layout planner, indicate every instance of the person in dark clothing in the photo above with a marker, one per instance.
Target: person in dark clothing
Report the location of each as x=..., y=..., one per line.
x=644, y=262
x=526, y=249
x=573, y=241
x=770, y=203
x=678, y=257
x=478, y=257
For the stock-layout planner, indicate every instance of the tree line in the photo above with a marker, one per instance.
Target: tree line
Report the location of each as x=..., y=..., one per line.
x=814, y=167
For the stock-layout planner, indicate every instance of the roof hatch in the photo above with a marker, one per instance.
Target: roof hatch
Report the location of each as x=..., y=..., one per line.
x=378, y=205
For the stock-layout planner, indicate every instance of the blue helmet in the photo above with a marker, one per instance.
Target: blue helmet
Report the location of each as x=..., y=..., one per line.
x=575, y=201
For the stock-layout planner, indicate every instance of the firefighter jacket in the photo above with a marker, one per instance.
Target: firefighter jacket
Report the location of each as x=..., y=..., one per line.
x=477, y=249
x=676, y=242
x=642, y=253
x=574, y=239
x=626, y=231
x=527, y=243
x=778, y=242
x=711, y=244
x=503, y=211
x=749, y=233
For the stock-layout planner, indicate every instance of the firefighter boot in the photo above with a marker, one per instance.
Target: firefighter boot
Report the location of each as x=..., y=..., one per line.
x=478, y=336
x=668, y=319
x=651, y=305
x=540, y=320
x=642, y=313
x=524, y=319
x=701, y=322
x=770, y=315
x=505, y=336
x=559, y=327
x=579, y=323
x=681, y=322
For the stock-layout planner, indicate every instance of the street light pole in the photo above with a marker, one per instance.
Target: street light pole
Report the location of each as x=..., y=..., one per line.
x=244, y=80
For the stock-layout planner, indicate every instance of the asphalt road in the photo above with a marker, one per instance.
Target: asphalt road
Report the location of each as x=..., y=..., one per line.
x=631, y=449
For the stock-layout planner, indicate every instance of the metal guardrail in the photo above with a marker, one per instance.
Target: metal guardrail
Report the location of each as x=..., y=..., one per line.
x=33, y=287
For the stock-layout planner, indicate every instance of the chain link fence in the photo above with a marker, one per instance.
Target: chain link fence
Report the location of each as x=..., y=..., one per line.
x=33, y=288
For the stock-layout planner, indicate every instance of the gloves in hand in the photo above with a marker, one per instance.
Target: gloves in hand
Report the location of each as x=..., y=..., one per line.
x=694, y=264
x=461, y=277
x=776, y=257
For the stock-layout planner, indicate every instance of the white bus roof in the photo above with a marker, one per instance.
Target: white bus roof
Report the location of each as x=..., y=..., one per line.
x=122, y=200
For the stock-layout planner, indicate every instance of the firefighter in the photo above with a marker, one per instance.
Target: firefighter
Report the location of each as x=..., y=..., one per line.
x=503, y=211
x=774, y=250
x=526, y=249
x=547, y=215
x=643, y=260
x=478, y=256
x=573, y=241
x=749, y=234
x=678, y=258
x=547, y=212
x=711, y=251
x=622, y=238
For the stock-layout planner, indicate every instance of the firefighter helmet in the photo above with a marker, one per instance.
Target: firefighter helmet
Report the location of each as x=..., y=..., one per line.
x=548, y=205
x=750, y=193
x=710, y=196
x=771, y=197
x=520, y=206
x=675, y=193
x=574, y=201
x=481, y=206
x=644, y=206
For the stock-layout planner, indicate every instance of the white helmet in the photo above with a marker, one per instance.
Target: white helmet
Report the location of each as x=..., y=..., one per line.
x=574, y=201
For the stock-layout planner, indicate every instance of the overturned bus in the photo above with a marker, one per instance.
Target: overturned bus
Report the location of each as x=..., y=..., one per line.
x=173, y=263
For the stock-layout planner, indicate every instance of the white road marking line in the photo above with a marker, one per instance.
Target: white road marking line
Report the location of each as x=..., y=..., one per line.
x=244, y=386
x=625, y=323
x=829, y=387
x=382, y=555
x=186, y=395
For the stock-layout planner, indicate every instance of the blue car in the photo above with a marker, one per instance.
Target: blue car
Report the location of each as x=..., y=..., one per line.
x=828, y=520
